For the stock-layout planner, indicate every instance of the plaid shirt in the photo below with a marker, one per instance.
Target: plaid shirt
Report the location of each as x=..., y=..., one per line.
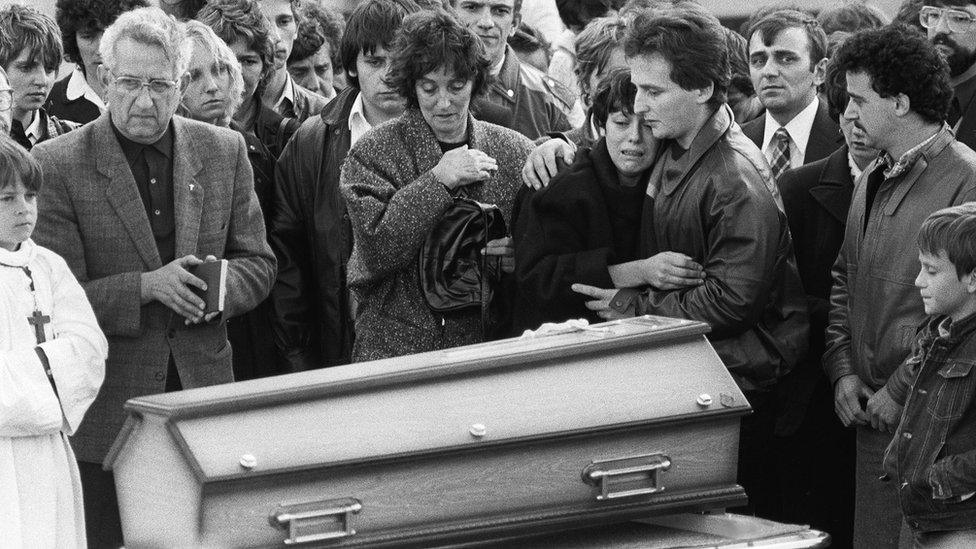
x=933, y=453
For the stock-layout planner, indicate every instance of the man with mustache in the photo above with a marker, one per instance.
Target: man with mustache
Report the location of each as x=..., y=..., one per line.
x=899, y=97
x=533, y=103
x=281, y=93
x=951, y=27
x=30, y=53
x=787, y=55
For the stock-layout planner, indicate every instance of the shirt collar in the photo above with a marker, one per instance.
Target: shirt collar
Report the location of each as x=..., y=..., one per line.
x=131, y=149
x=496, y=69
x=287, y=94
x=799, y=128
x=358, y=125
x=35, y=131
x=78, y=87
x=907, y=160
x=855, y=171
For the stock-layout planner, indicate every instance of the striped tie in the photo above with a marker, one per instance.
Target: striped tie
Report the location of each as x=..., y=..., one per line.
x=780, y=161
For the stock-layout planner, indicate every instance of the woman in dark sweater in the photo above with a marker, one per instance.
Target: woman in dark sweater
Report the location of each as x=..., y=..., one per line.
x=587, y=221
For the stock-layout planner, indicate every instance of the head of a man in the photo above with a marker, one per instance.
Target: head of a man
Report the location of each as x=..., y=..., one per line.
x=6, y=102
x=835, y=91
x=366, y=55
x=492, y=20
x=145, y=54
x=242, y=26
x=896, y=82
x=680, y=65
x=951, y=26
x=787, y=54
x=30, y=53
x=947, y=256
x=599, y=50
x=314, y=59
x=283, y=16
x=82, y=23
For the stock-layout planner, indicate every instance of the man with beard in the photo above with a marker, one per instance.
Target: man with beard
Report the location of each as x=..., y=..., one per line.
x=951, y=27
x=899, y=96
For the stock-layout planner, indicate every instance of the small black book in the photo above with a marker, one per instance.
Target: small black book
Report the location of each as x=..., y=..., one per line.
x=214, y=273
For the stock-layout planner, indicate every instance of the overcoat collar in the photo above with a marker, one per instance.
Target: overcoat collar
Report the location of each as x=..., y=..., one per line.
x=123, y=194
x=835, y=185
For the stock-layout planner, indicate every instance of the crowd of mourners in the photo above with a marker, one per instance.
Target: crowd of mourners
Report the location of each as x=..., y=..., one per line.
x=415, y=175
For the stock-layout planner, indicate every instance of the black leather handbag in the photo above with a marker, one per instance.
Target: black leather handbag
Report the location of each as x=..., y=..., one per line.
x=454, y=275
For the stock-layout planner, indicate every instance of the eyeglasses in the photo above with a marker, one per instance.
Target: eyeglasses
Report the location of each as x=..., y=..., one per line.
x=156, y=86
x=6, y=99
x=956, y=20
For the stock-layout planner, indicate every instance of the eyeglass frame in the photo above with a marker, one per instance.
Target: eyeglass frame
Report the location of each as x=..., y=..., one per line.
x=943, y=12
x=145, y=84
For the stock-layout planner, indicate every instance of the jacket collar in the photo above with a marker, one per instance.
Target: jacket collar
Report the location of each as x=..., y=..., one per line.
x=709, y=134
x=507, y=82
x=123, y=194
x=337, y=111
x=911, y=175
x=957, y=330
x=835, y=185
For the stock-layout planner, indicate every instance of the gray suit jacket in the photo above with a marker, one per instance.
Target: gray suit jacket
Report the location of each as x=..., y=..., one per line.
x=91, y=213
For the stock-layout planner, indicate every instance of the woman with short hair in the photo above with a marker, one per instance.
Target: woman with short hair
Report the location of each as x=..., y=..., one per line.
x=402, y=176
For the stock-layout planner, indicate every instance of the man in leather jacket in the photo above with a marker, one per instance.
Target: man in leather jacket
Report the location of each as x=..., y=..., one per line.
x=711, y=198
x=310, y=230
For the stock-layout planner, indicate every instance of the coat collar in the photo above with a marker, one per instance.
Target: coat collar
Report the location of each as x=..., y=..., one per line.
x=507, y=82
x=835, y=185
x=123, y=194
x=709, y=134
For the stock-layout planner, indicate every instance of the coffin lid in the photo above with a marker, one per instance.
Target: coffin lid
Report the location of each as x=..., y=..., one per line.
x=518, y=390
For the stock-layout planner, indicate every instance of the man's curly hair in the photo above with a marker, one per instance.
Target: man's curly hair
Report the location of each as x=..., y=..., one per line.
x=431, y=40
x=900, y=60
x=88, y=17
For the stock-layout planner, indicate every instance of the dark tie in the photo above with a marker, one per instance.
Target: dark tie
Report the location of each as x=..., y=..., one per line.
x=18, y=134
x=780, y=161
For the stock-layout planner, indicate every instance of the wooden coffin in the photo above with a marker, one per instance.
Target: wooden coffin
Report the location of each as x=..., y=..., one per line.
x=620, y=420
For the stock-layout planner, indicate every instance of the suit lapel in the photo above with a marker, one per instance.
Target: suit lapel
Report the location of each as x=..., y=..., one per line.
x=187, y=191
x=834, y=188
x=825, y=136
x=121, y=191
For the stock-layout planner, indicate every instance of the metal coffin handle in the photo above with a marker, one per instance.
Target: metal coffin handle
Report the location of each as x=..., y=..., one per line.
x=316, y=520
x=615, y=473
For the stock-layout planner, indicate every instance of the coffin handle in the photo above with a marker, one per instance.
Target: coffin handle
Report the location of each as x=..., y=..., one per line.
x=610, y=475
x=316, y=520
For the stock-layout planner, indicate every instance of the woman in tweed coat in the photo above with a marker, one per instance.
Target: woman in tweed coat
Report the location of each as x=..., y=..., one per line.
x=402, y=176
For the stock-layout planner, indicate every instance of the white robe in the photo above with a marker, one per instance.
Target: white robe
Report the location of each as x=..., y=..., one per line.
x=40, y=489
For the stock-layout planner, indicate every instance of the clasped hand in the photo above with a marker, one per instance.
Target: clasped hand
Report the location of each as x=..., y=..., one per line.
x=170, y=285
x=463, y=166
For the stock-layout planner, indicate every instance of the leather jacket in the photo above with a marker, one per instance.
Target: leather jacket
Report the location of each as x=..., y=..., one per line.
x=717, y=203
x=312, y=238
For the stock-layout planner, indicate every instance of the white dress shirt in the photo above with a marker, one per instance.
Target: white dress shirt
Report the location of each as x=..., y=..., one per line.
x=799, y=129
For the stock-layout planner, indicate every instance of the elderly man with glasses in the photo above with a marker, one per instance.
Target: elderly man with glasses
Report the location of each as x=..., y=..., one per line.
x=951, y=27
x=133, y=201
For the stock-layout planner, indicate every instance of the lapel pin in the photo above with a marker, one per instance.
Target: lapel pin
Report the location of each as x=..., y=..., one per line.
x=191, y=186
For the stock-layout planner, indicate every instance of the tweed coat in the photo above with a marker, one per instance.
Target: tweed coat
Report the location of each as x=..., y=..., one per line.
x=91, y=213
x=394, y=201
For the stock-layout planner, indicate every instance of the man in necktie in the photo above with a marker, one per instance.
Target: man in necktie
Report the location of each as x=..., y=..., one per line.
x=779, y=160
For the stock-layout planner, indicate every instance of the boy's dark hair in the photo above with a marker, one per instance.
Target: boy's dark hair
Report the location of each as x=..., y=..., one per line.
x=614, y=93
x=373, y=24
x=233, y=20
x=18, y=164
x=25, y=28
x=851, y=16
x=900, y=60
x=778, y=21
x=430, y=40
x=308, y=40
x=953, y=231
x=330, y=24
x=88, y=16
x=690, y=39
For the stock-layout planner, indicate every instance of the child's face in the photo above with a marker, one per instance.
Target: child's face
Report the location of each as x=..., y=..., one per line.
x=18, y=213
x=943, y=292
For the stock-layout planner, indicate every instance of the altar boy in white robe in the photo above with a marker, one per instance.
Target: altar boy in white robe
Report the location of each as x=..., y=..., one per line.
x=52, y=362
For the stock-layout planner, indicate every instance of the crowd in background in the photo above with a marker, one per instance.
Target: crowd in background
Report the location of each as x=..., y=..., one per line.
x=414, y=175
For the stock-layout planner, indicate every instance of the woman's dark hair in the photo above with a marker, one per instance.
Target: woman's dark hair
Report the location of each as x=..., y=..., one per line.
x=373, y=24
x=234, y=20
x=900, y=60
x=431, y=40
x=18, y=164
x=88, y=17
x=690, y=39
x=614, y=93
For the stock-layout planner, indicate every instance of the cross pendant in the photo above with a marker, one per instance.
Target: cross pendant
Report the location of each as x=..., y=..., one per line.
x=38, y=320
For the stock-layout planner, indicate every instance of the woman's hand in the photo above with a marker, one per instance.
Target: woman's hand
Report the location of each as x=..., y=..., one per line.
x=463, y=166
x=671, y=271
x=503, y=248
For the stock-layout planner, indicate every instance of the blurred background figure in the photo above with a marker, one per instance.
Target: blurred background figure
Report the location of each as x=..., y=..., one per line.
x=78, y=97
x=531, y=46
x=6, y=102
x=851, y=16
x=314, y=60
